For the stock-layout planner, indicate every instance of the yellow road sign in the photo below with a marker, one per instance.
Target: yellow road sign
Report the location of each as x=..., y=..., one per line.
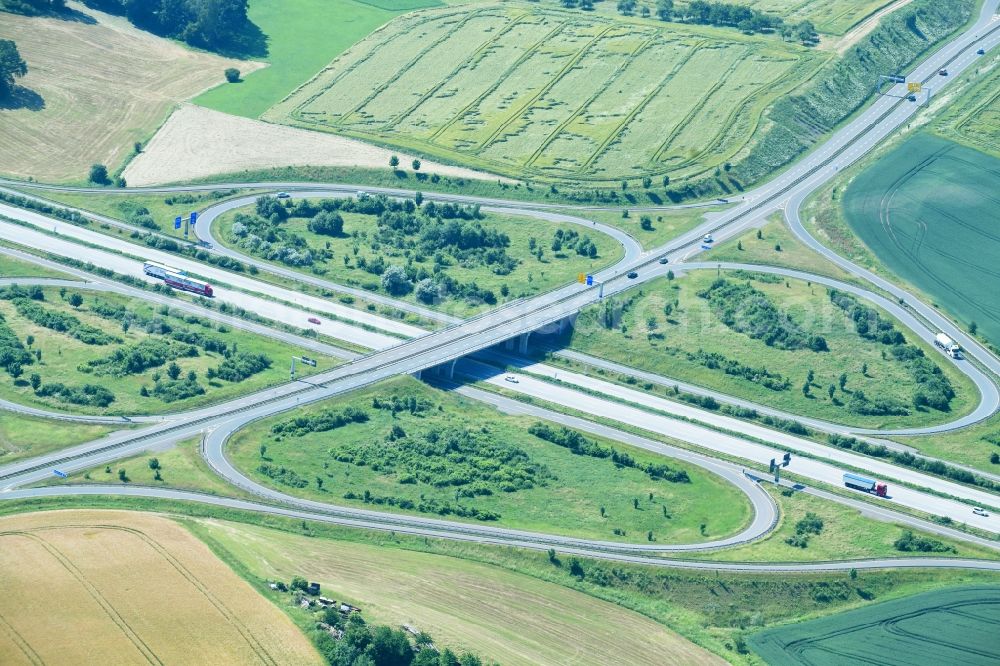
x=582, y=277
x=914, y=86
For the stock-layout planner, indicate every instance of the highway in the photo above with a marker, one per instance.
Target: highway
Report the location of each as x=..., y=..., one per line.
x=520, y=317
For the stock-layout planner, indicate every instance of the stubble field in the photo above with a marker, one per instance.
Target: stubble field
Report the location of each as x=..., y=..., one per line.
x=134, y=589
x=92, y=90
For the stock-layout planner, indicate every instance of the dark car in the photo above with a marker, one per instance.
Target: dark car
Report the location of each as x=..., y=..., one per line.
x=981, y=52
x=633, y=275
x=663, y=260
x=912, y=98
x=942, y=72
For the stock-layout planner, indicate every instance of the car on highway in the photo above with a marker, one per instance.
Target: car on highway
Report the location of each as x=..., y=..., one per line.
x=314, y=320
x=283, y=195
x=663, y=260
x=512, y=379
x=979, y=511
x=981, y=52
x=912, y=98
x=942, y=72
x=707, y=239
x=633, y=275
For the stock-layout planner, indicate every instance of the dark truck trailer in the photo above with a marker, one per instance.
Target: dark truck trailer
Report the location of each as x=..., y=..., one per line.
x=865, y=484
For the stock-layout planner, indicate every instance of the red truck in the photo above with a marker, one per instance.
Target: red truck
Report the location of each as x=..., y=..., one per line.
x=864, y=483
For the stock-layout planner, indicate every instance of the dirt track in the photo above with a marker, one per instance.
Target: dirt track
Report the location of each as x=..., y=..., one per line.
x=197, y=142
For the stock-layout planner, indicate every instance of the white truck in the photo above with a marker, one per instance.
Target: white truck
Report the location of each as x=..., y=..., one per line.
x=947, y=345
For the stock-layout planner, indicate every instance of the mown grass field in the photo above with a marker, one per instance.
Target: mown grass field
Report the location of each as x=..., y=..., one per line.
x=359, y=244
x=834, y=17
x=845, y=534
x=974, y=118
x=27, y=436
x=463, y=604
x=12, y=267
x=776, y=246
x=666, y=224
x=136, y=588
x=300, y=42
x=646, y=337
x=567, y=490
x=926, y=210
x=63, y=356
x=539, y=93
x=973, y=446
x=949, y=626
x=92, y=90
x=181, y=466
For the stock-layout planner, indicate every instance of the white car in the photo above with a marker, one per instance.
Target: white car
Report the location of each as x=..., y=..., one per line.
x=980, y=512
x=707, y=238
x=283, y=195
x=512, y=379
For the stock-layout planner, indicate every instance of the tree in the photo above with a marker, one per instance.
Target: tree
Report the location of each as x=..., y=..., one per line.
x=299, y=583
x=647, y=182
x=394, y=161
x=99, y=175
x=416, y=165
x=36, y=381
x=30, y=340
x=665, y=9
x=670, y=275
x=232, y=75
x=12, y=66
x=173, y=370
x=635, y=502
x=575, y=568
x=390, y=647
x=395, y=281
x=587, y=5
x=76, y=300
x=973, y=327
x=831, y=390
x=806, y=33
x=428, y=291
x=739, y=245
x=327, y=223
x=154, y=464
x=319, y=482
x=995, y=458
x=122, y=476
x=263, y=450
x=842, y=380
x=646, y=223
x=192, y=376
x=626, y=7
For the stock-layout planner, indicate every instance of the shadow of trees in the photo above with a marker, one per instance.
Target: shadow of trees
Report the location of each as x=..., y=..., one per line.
x=22, y=98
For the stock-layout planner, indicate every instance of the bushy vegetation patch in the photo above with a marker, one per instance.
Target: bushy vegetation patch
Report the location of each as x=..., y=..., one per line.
x=90, y=395
x=136, y=359
x=13, y=355
x=329, y=419
x=61, y=322
x=912, y=543
x=748, y=310
x=581, y=445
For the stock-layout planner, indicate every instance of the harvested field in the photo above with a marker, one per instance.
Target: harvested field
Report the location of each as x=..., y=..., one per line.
x=134, y=588
x=553, y=95
x=197, y=143
x=950, y=626
x=92, y=90
x=503, y=616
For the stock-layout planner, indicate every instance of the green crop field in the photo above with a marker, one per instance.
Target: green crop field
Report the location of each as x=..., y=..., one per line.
x=422, y=450
x=100, y=356
x=927, y=210
x=471, y=270
x=668, y=328
x=300, y=42
x=541, y=93
x=950, y=626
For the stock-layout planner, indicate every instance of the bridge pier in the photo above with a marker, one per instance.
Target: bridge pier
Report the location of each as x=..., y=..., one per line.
x=522, y=343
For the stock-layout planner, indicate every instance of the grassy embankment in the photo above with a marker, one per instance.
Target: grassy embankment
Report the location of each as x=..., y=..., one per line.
x=643, y=335
x=122, y=362
x=457, y=453
x=347, y=257
x=974, y=446
x=665, y=224
x=27, y=436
